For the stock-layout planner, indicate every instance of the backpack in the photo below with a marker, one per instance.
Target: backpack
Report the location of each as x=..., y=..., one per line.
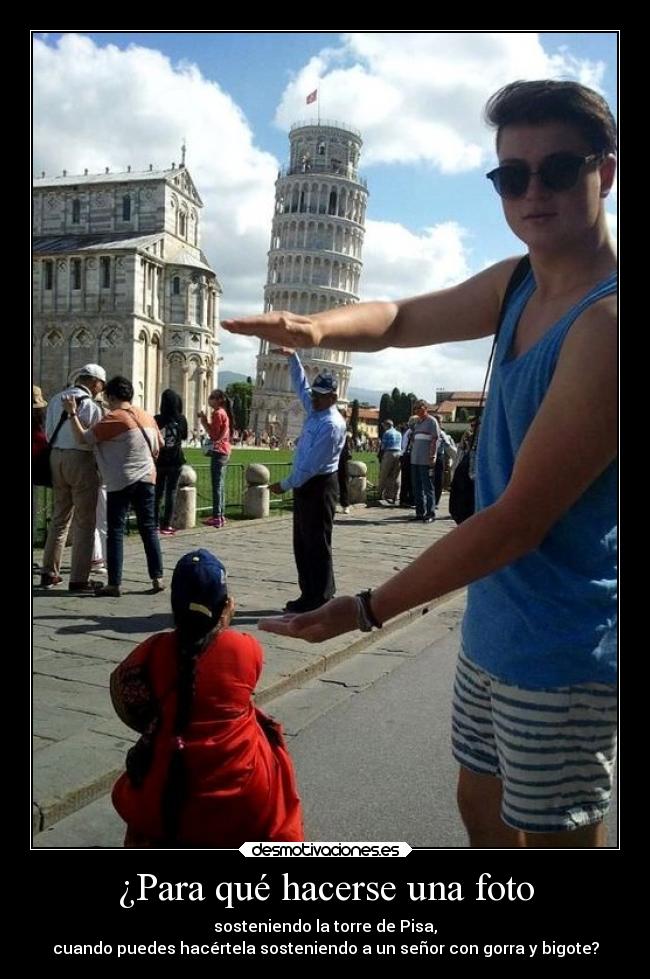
x=171, y=434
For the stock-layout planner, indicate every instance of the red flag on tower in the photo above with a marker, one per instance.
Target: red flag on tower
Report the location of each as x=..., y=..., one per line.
x=312, y=96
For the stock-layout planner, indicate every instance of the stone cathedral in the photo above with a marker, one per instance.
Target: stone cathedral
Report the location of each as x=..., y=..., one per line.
x=119, y=279
x=314, y=261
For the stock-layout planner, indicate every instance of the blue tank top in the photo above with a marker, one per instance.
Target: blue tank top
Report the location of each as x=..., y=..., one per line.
x=550, y=618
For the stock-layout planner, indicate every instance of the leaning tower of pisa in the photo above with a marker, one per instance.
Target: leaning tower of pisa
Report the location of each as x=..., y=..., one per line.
x=314, y=261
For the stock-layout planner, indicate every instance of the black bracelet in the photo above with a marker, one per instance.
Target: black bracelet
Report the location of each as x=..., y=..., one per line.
x=364, y=597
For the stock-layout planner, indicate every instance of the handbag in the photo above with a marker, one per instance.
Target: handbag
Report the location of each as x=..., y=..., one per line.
x=41, y=464
x=462, y=499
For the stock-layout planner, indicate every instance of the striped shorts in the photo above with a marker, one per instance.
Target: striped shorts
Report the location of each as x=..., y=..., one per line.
x=554, y=750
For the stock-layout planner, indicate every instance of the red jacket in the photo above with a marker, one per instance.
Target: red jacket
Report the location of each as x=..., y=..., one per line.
x=241, y=783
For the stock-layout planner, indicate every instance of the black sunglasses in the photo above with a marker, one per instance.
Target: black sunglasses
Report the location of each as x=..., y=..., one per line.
x=559, y=171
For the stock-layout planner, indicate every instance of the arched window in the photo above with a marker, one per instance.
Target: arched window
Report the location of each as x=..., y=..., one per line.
x=75, y=273
x=176, y=285
x=76, y=211
x=182, y=224
x=105, y=271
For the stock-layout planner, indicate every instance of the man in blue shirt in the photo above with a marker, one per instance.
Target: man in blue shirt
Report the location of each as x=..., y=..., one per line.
x=314, y=481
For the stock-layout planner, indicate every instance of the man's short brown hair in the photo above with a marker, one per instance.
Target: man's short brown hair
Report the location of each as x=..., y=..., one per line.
x=534, y=103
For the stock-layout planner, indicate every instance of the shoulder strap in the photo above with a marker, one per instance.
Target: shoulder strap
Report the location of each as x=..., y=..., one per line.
x=520, y=272
x=144, y=434
x=62, y=419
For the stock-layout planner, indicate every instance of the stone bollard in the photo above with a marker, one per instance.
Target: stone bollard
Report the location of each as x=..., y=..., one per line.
x=185, y=504
x=358, y=484
x=257, y=495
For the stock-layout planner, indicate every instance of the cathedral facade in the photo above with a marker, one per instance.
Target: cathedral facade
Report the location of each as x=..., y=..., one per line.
x=119, y=279
x=314, y=262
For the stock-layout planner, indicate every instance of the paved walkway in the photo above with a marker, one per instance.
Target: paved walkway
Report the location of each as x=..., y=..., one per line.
x=79, y=743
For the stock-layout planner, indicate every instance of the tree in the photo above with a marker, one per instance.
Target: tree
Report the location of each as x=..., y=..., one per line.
x=354, y=419
x=385, y=408
x=396, y=405
x=241, y=393
x=404, y=412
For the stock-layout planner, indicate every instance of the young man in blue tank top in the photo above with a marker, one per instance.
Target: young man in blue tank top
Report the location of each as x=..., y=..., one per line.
x=534, y=726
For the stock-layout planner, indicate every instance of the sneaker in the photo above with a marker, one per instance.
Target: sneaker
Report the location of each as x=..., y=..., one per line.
x=108, y=591
x=167, y=531
x=48, y=579
x=97, y=567
x=210, y=522
x=345, y=509
x=157, y=584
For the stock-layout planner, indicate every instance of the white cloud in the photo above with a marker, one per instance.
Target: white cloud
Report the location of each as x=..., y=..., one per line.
x=419, y=96
x=399, y=263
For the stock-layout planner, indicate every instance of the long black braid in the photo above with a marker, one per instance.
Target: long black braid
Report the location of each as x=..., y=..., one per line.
x=194, y=632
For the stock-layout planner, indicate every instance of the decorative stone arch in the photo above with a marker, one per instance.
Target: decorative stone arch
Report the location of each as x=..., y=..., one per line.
x=157, y=357
x=81, y=346
x=52, y=356
x=177, y=369
x=53, y=338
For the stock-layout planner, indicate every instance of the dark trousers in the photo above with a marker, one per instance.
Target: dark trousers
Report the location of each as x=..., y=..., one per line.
x=344, y=495
x=406, y=490
x=314, y=505
x=166, y=482
x=141, y=496
x=438, y=475
x=422, y=491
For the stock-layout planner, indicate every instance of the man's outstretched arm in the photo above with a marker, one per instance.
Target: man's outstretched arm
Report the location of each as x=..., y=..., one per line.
x=463, y=312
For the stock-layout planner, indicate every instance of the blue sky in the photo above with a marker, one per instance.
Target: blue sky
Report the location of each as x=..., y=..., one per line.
x=113, y=99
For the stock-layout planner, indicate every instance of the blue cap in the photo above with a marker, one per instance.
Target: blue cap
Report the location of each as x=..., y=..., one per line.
x=199, y=584
x=324, y=383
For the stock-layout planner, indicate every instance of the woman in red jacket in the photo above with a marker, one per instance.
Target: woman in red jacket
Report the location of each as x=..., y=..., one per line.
x=220, y=429
x=210, y=769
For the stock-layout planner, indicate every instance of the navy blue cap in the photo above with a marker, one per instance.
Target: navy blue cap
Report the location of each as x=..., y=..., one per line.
x=324, y=383
x=199, y=584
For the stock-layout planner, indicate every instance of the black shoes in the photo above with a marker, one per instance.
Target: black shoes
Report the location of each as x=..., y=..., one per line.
x=302, y=605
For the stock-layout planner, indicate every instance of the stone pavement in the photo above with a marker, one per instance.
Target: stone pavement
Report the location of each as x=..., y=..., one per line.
x=80, y=744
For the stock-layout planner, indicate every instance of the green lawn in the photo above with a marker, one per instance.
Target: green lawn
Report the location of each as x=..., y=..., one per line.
x=242, y=457
x=277, y=460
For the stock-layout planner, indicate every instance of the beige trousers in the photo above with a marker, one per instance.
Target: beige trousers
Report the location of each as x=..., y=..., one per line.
x=75, y=482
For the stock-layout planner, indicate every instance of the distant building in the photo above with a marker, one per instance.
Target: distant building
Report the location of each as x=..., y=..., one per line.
x=456, y=406
x=119, y=279
x=368, y=424
x=314, y=261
